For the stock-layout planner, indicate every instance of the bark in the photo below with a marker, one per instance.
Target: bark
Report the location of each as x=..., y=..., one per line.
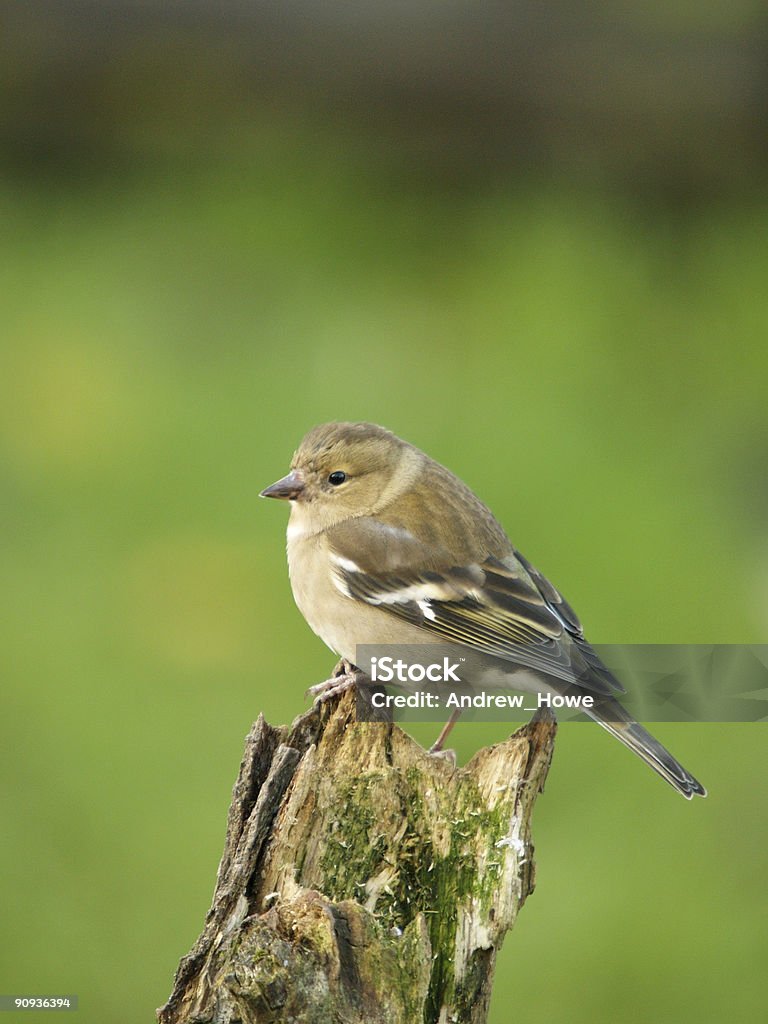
x=363, y=881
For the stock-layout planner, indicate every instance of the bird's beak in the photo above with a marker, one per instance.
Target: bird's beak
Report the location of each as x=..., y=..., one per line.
x=290, y=487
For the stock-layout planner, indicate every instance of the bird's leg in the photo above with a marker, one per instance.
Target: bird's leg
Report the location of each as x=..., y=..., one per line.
x=344, y=676
x=437, y=746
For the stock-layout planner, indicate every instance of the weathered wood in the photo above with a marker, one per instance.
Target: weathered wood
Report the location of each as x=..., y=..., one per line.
x=363, y=881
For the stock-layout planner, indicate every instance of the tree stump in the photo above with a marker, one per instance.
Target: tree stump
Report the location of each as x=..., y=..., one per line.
x=363, y=881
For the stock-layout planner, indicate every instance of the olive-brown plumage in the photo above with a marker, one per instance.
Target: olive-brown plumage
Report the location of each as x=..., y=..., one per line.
x=386, y=546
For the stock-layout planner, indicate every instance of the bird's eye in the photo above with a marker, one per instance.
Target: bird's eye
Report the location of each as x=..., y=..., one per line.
x=337, y=478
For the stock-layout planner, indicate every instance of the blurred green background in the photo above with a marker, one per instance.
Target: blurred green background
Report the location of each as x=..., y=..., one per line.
x=536, y=249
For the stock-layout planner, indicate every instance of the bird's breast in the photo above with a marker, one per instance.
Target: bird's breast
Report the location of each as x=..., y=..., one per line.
x=340, y=621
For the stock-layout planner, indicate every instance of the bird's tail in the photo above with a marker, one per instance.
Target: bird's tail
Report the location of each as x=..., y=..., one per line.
x=619, y=723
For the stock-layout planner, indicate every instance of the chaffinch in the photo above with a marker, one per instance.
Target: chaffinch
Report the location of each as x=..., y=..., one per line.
x=386, y=546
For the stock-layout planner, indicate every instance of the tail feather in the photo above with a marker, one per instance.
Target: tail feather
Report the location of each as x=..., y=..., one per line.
x=619, y=723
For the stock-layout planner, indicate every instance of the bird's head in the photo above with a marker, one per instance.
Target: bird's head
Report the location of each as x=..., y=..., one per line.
x=345, y=470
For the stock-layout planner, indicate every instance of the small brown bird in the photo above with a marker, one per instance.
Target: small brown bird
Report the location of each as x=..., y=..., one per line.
x=386, y=546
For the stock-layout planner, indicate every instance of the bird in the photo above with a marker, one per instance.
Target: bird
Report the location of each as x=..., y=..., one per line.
x=387, y=546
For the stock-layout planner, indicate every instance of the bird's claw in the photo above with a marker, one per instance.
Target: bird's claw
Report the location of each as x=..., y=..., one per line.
x=445, y=755
x=344, y=676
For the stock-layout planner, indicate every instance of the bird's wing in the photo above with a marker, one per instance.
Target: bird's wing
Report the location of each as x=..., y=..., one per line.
x=500, y=606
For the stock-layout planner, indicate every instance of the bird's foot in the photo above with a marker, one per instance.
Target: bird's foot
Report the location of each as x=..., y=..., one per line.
x=445, y=755
x=436, y=750
x=345, y=675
